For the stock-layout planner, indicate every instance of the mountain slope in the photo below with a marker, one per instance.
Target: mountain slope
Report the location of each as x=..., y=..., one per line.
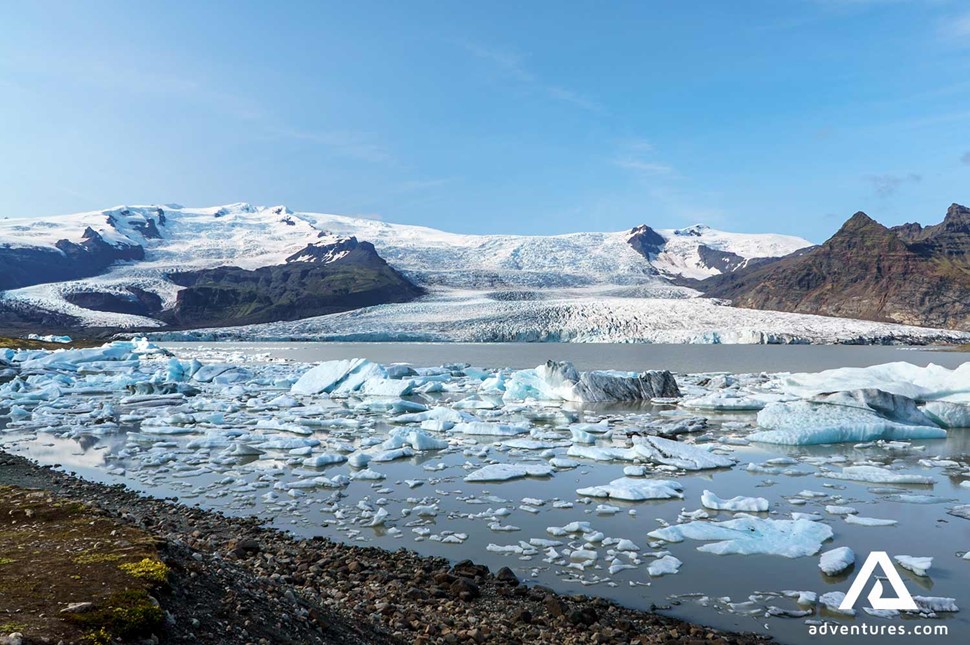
x=909, y=274
x=119, y=267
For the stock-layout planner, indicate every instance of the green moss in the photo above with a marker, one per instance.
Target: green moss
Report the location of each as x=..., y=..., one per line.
x=9, y=628
x=6, y=561
x=126, y=615
x=147, y=569
x=95, y=558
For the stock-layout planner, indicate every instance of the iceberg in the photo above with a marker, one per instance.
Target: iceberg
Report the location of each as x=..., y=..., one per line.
x=834, y=562
x=635, y=490
x=859, y=416
x=918, y=565
x=664, y=566
x=739, y=503
x=347, y=376
x=505, y=472
x=930, y=383
x=877, y=475
x=668, y=452
x=560, y=381
x=749, y=535
x=723, y=401
x=948, y=414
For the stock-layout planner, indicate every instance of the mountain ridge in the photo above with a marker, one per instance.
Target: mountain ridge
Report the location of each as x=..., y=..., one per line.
x=907, y=274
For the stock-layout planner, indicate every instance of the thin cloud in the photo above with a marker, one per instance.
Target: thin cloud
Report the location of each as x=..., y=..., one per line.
x=346, y=143
x=888, y=184
x=966, y=158
x=512, y=66
x=644, y=167
x=956, y=29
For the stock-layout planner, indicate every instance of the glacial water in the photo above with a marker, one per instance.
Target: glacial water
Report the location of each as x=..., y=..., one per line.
x=729, y=591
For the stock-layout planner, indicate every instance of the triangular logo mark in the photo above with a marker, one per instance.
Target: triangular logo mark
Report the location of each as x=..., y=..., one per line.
x=902, y=600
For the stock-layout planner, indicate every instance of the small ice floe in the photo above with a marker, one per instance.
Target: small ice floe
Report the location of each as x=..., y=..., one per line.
x=918, y=565
x=504, y=472
x=666, y=565
x=834, y=562
x=831, y=602
x=323, y=460
x=877, y=475
x=935, y=604
x=680, y=455
x=856, y=416
x=748, y=535
x=739, y=503
x=490, y=429
x=635, y=490
x=723, y=401
x=860, y=520
x=840, y=510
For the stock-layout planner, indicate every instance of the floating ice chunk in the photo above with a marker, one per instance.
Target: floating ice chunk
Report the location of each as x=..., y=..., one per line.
x=504, y=472
x=739, y=503
x=528, y=444
x=668, y=452
x=831, y=602
x=327, y=376
x=948, y=414
x=869, y=521
x=918, y=565
x=634, y=471
x=367, y=475
x=602, y=454
x=747, y=535
x=666, y=565
x=556, y=381
x=934, y=604
x=490, y=429
x=840, y=510
x=324, y=460
x=635, y=490
x=386, y=387
x=820, y=421
x=834, y=562
x=923, y=383
x=877, y=475
x=723, y=401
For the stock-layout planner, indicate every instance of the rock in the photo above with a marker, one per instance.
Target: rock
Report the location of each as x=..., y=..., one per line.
x=522, y=615
x=245, y=547
x=554, y=606
x=465, y=589
x=469, y=569
x=507, y=576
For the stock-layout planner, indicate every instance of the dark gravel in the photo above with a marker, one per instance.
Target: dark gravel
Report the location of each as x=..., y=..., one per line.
x=236, y=581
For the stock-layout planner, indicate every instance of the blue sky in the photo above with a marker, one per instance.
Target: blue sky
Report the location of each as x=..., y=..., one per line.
x=534, y=117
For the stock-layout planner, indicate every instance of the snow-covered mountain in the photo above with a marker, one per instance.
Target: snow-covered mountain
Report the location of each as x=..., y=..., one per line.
x=141, y=266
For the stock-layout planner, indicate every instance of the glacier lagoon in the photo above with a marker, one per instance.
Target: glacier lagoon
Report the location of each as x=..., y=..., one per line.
x=243, y=441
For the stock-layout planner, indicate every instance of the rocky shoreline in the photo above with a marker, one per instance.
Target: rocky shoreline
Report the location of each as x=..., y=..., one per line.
x=236, y=581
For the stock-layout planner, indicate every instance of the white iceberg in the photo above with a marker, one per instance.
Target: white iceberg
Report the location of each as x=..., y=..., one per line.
x=749, y=535
x=560, y=381
x=739, y=503
x=668, y=452
x=635, y=490
x=844, y=418
x=664, y=566
x=504, y=472
x=877, y=475
x=834, y=562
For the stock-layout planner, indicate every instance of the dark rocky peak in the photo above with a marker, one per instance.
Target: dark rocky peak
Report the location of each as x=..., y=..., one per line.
x=161, y=216
x=331, y=251
x=645, y=241
x=951, y=237
x=722, y=261
x=692, y=231
x=862, y=232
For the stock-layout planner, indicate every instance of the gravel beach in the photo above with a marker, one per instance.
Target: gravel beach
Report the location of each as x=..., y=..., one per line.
x=235, y=581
